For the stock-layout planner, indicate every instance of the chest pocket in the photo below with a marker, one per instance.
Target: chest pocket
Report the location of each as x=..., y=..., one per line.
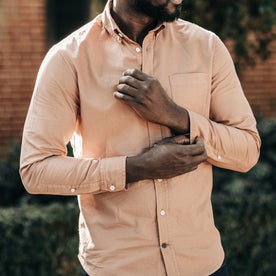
x=191, y=91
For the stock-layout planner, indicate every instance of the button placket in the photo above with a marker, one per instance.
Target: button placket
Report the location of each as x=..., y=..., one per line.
x=161, y=201
x=155, y=135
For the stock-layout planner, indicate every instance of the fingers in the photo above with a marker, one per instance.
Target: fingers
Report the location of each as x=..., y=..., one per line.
x=129, y=85
x=124, y=97
x=185, y=150
x=197, y=159
x=126, y=89
x=196, y=149
x=131, y=81
x=136, y=74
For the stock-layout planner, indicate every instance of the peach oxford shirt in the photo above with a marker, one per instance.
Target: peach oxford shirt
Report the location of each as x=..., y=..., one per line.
x=155, y=227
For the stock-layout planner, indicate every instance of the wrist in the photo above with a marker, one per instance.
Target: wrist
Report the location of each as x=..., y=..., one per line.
x=135, y=169
x=178, y=120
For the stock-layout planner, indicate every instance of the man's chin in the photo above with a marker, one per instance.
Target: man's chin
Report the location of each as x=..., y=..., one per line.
x=170, y=17
x=168, y=12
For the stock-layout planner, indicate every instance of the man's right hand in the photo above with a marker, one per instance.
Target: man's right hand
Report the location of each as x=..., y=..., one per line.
x=167, y=159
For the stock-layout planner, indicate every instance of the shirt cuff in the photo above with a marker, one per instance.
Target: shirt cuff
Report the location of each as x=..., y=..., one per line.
x=200, y=127
x=193, y=129
x=113, y=174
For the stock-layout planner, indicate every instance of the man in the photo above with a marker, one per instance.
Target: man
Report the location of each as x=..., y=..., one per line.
x=156, y=102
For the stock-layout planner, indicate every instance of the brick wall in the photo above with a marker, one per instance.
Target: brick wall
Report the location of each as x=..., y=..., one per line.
x=22, y=47
x=259, y=84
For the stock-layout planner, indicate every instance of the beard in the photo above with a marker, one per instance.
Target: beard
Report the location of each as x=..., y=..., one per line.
x=160, y=13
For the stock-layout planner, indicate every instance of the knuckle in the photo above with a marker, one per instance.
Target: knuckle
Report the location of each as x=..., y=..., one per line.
x=121, y=86
x=145, y=87
x=133, y=71
x=128, y=78
x=125, y=86
x=150, y=84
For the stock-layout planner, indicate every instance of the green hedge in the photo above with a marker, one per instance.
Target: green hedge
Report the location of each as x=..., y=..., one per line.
x=248, y=228
x=43, y=240
x=13, y=192
x=39, y=240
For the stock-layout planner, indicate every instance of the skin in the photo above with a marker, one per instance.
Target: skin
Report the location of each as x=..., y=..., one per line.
x=172, y=156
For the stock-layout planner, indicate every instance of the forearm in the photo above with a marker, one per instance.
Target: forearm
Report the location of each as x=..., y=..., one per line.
x=234, y=147
x=61, y=175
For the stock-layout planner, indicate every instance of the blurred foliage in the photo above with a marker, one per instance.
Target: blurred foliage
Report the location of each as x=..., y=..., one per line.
x=249, y=24
x=13, y=192
x=248, y=230
x=39, y=240
x=10, y=181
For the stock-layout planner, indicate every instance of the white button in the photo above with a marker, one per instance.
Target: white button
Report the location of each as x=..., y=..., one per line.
x=219, y=157
x=159, y=180
x=73, y=190
x=112, y=187
x=138, y=50
x=162, y=213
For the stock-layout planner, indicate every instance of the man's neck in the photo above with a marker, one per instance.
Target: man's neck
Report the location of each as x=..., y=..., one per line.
x=133, y=24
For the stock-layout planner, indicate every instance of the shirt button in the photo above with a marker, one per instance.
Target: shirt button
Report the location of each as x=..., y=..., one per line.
x=73, y=190
x=219, y=157
x=159, y=180
x=164, y=245
x=138, y=50
x=112, y=188
x=162, y=213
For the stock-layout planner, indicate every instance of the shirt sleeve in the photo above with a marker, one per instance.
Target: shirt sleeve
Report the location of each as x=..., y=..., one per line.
x=50, y=123
x=230, y=135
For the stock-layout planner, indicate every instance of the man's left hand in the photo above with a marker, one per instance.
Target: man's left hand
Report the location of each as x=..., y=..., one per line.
x=146, y=96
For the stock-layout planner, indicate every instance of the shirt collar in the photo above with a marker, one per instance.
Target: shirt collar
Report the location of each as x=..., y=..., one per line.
x=110, y=25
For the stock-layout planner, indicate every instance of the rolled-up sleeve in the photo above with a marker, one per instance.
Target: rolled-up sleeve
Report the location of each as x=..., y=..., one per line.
x=230, y=135
x=50, y=123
